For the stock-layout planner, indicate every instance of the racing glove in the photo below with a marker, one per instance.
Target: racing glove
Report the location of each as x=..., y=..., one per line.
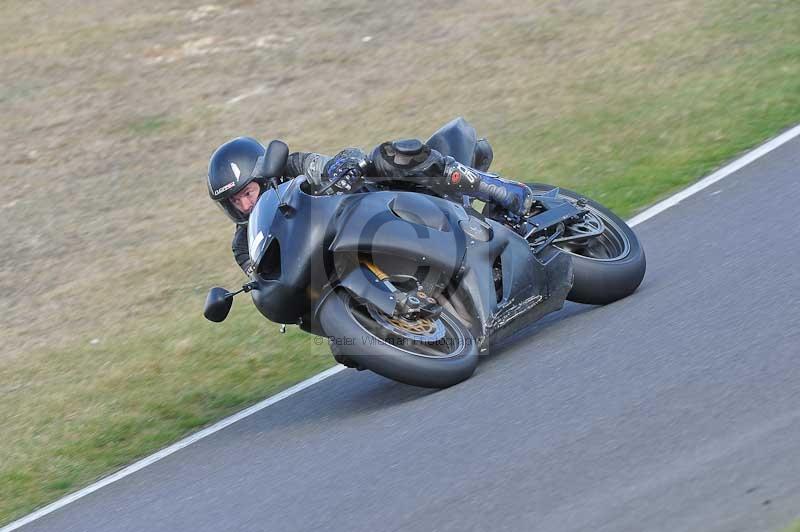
x=346, y=168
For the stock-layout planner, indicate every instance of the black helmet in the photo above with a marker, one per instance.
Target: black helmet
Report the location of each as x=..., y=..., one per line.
x=230, y=170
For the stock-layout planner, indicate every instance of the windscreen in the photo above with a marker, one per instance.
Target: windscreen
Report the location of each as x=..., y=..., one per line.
x=258, y=228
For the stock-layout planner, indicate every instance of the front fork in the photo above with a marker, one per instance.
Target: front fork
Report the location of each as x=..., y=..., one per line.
x=413, y=304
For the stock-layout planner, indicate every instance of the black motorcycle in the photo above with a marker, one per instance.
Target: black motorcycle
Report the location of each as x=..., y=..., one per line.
x=413, y=286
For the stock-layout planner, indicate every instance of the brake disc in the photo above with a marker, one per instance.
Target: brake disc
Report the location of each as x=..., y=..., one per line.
x=421, y=330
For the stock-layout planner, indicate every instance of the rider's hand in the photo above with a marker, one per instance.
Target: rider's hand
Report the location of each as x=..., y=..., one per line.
x=346, y=168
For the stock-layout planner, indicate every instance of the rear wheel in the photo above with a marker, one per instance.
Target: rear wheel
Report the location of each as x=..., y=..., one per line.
x=608, y=266
x=429, y=353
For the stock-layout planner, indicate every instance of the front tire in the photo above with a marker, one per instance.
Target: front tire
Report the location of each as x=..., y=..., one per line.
x=358, y=339
x=612, y=265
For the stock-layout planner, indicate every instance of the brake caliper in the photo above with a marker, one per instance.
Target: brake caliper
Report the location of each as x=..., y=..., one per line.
x=416, y=304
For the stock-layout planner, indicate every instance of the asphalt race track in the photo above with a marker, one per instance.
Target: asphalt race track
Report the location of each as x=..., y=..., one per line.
x=676, y=409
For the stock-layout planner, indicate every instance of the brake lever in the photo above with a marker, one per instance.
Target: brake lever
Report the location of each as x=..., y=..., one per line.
x=329, y=185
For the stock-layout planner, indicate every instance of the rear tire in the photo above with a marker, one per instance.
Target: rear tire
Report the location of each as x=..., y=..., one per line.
x=600, y=276
x=360, y=341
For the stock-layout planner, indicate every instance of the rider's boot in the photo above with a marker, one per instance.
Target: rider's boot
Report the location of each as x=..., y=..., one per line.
x=512, y=196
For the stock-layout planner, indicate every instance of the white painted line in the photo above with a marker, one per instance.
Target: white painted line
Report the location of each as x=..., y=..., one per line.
x=722, y=173
x=175, y=447
x=216, y=427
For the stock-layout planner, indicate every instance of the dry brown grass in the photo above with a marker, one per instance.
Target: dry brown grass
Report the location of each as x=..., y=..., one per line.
x=115, y=106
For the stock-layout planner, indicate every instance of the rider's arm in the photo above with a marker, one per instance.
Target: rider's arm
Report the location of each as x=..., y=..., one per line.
x=307, y=164
x=241, y=251
x=413, y=161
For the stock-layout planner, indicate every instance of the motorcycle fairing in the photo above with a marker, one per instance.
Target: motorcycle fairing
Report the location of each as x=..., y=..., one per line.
x=403, y=232
x=303, y=252
x=322, y=239
x=457, y=139
x=302, y=233
x=530, y=284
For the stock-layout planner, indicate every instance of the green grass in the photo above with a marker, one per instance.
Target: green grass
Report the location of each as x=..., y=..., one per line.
x=794, y=528
x=623, y=103
x=148, y=125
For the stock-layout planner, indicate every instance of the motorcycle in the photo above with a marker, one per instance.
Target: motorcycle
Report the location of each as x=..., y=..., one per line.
x=415, y=287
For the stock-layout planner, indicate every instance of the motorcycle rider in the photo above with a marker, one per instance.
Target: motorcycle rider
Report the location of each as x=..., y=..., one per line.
x=232, y=186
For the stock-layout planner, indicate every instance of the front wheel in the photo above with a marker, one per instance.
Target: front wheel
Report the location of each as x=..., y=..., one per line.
x=608, y=266
x=428, y=353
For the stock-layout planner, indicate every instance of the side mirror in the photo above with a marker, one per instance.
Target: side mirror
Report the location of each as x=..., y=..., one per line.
x=273, y=162
x=218, y=304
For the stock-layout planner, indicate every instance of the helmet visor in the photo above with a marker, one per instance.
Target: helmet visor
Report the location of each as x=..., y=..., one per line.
x=232, y=212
